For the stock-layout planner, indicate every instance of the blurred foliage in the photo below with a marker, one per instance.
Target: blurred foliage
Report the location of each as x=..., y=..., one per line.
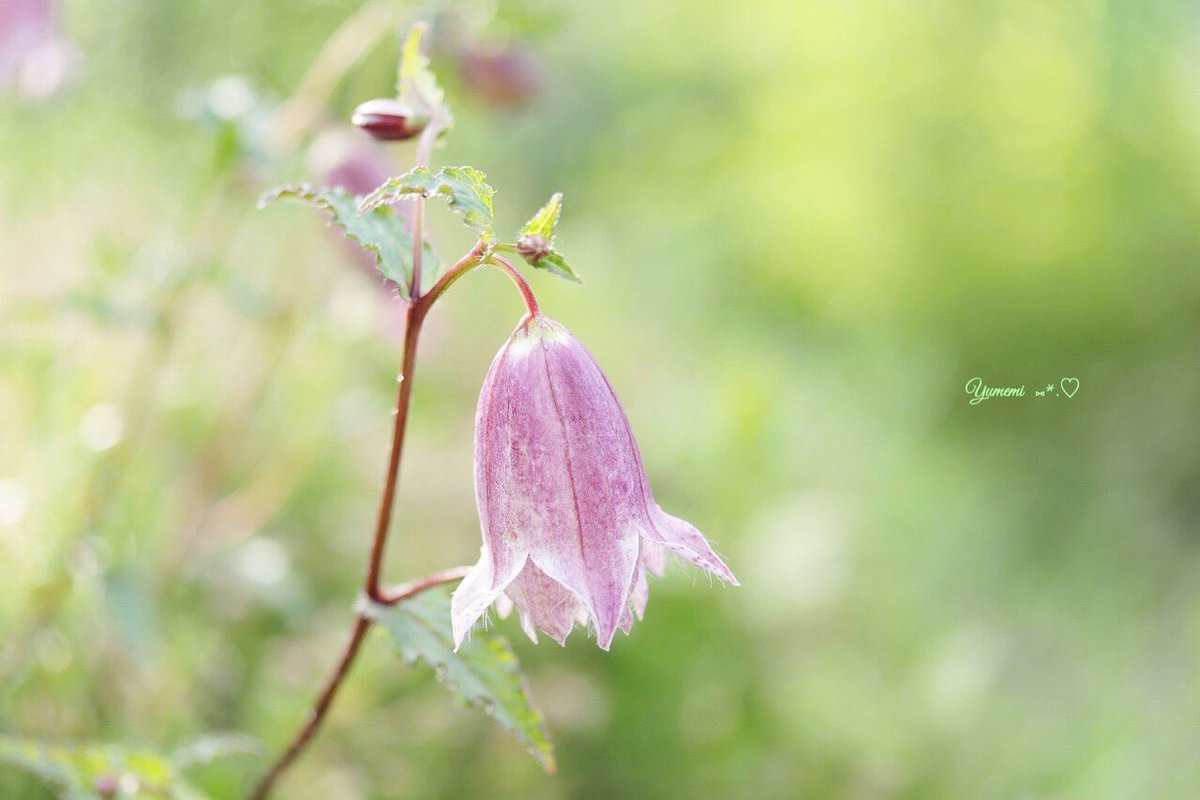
x=803, y=226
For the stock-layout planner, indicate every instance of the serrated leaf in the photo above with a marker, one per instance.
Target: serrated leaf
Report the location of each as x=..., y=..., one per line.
x=554, y=262
x=415, y=82
x=74, y=770
x=466, y=189
x=380, y=231
x=545, y=220
x=484, y=672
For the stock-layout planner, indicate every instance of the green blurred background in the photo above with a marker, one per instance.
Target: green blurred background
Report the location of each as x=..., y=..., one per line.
x=803, y=227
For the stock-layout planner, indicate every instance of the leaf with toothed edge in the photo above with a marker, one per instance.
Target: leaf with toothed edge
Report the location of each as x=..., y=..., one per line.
x=466, y=189
x=382, y=232
x=484, y=672
x=545, y=220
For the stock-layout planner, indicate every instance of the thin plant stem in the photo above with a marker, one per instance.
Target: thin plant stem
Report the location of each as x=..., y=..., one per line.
x=415, y=317
x=417, y=307
x=463, y=267
x=531, y=303
x=362, y=623
x=410, y=588
x=320, y=709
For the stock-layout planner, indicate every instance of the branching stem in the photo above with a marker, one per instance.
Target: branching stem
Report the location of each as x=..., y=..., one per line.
x=416, y=311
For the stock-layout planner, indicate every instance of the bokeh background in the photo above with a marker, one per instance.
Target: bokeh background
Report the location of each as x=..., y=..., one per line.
x=803, y=227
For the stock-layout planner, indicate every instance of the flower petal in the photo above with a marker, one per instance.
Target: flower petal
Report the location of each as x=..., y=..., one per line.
x=562, y=492
x=652, y=557
x=682, y=538
x=478, y=590
x=639, y=593
x=543, y=603
x=605, y=476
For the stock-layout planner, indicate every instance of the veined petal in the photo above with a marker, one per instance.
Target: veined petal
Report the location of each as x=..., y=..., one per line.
x=543, y=603
x=674, y=533
x=570, y=526
x=604, y=476
x=522, y=479
x=478, y=590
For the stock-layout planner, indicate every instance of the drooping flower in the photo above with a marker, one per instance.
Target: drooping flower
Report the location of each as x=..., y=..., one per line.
x=570, y=527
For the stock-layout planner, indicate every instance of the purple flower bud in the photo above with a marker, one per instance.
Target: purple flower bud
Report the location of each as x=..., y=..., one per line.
x=533, y=248
x=388, y=120
x=570, y=526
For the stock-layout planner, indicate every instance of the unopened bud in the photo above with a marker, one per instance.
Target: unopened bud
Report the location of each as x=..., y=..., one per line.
x=533, y=248
x=388, y=120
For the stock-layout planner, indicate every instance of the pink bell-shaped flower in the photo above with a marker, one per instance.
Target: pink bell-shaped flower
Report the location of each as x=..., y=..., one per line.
x=570, y=526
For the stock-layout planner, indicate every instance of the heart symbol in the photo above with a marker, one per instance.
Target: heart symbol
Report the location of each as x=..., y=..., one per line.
x=1069, y=386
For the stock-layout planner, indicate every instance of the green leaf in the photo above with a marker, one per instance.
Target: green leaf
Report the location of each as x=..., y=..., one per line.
x=545, y=220
x=555, y=263
x=415, y=82
x=541, y=227
x=466, y=189
x=75, y=770
x=484, y=672
x=380, y=231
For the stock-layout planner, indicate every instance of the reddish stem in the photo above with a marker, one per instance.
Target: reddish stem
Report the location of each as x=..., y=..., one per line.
x=418, y=585
x=417, y=307
x=531, y=303
x=414, y=316
x=469, y=262
x=320, y=708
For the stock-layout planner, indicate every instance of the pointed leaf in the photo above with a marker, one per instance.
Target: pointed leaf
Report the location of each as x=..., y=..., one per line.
x=381, y=231
x=484, y=672
x=545, y=220
x=555, y=263
x=535, y=241
x=466, y=189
